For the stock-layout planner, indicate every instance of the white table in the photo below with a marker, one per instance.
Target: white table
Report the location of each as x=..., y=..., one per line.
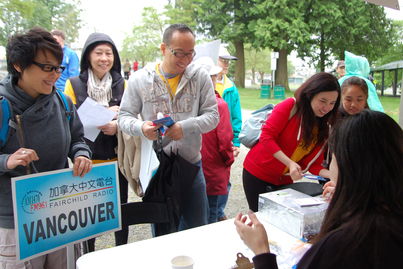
x=211, y=246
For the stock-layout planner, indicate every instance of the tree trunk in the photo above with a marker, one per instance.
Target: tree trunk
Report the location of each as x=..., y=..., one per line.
x=261, y=76
x=253, y=75
x=239, y=65
x=281, y=71
x=322, y=53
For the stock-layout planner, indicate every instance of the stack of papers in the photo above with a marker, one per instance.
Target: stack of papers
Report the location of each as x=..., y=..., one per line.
x=309, y=201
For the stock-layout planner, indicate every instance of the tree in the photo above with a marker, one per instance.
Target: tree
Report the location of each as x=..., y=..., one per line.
x=281, y=26
x=183, y=11
x=365, y=30
x=227, y=20
x=143, y=43
x=339, y=25
x=322, y=18
x=392, y=54
x=19, y=15
x=257, y=60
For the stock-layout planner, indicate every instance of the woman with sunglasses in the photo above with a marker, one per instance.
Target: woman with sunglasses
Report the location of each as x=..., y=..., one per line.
x=48, y=135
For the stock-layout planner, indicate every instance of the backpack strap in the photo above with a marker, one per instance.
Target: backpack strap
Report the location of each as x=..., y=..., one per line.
x=64, y=102
x=293, y=110
x=6, y=113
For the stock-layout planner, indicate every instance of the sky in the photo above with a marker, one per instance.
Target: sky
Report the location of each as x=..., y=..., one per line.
x=117, y=19
x=113, y=19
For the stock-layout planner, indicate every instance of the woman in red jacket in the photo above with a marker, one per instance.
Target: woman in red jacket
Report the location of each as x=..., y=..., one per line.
x=288, y=147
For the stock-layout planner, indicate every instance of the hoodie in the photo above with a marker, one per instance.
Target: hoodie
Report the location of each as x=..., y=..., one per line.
x=359, y=66
x=45, y=129
x=103, y=148
x=194, y=107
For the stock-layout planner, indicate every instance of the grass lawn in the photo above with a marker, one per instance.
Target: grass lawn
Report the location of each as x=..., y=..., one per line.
x=250, y=99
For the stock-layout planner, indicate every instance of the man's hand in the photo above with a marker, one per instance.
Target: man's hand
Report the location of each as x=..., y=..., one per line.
x=174, y=132
x=82, y=166
x=110, y=128
x=114, y=109
x=149, y=130
x=237, y=150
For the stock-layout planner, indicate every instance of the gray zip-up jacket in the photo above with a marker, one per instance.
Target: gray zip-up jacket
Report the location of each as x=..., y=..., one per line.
x=194, y=107
x=45, y=129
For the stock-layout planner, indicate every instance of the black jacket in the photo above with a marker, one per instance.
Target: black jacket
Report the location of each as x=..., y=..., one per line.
x=103, y=148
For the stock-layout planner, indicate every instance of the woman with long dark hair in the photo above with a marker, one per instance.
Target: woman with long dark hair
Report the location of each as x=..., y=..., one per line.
x=293, y=138
x=363, y=226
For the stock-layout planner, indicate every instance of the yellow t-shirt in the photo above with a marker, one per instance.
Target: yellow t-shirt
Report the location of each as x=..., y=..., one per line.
x=219, y=88
x=300, y=151
x=173, y=82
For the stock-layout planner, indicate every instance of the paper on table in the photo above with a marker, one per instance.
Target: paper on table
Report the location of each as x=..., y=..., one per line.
x=309, y=201
x=149, y=162
x=93, y=115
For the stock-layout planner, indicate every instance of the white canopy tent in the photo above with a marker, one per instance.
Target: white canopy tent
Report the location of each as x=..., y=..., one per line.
x=394, y=4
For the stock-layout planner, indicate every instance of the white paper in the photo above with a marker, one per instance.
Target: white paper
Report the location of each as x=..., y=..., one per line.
x=93, y=115
x=149, y=162
x=309, y=201
x=210, y=49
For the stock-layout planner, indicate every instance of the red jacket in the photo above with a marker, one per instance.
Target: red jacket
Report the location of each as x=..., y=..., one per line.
x=217, y=153
x=279, y=133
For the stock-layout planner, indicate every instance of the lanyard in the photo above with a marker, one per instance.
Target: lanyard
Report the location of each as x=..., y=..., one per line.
x=166, y=82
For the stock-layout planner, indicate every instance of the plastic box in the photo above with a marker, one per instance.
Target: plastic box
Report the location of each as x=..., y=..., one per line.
x=280, y=209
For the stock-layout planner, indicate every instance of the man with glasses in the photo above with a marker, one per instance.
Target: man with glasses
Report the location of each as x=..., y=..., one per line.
x=228, y=91
x=70, y=60
x=184, y=91
x=44, y=134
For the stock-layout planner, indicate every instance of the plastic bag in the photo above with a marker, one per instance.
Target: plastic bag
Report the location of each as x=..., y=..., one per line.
x=253, y=126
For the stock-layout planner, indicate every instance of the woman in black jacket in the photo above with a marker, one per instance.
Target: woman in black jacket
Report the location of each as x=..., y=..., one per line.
x=100, y=79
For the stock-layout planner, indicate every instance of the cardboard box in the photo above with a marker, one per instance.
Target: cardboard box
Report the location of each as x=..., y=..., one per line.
x=281, y=209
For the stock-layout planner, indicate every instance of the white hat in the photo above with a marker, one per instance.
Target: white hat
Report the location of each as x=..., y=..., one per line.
x=208, y=63
x=223, y=53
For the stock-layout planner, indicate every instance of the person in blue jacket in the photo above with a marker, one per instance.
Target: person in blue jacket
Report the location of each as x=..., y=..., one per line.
x=70, y=60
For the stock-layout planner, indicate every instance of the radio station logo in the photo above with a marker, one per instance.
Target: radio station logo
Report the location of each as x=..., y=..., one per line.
x=33, y=201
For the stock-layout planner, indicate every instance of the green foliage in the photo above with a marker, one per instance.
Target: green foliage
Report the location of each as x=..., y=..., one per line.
x=20, y=15
x=391, y=54
x=339, y=25
x=183, y=12
x=143, y=43
x=227, y=20
x=280, y=25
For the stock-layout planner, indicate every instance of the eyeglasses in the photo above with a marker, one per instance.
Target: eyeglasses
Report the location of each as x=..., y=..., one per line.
x=181, y=54
x=50, y=68
x=225, y=61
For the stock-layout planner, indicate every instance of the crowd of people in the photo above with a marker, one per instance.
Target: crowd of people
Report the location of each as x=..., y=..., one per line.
x=330, y=128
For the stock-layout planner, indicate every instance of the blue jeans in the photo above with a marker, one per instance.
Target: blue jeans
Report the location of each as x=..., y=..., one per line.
x=222, y=202
x=196, y=211
x=212, y=202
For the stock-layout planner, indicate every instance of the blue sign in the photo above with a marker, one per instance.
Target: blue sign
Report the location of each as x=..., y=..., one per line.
x=54, y=209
